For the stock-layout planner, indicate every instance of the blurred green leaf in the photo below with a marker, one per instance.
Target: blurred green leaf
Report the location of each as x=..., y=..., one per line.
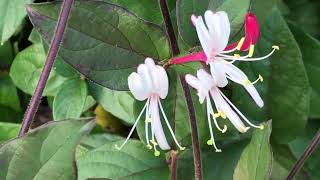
x=185, y=8
x=310, y=48
x=8, y=131
x=214, y=165
x=26, y=69
x=11, y=15
x=6, y=55
x=44, y=153
x=286, y=89
x=70, y=99
x=305, y=14
x=118, y=103
x=8, y=93
x=256, y=159
x=105, y=49
x=108, y=162
x=96, y=140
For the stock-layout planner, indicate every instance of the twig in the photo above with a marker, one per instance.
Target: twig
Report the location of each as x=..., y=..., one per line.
x=167, y=21
x=52, y=53
x=306, y=154
x=173, y=164
x=194, y=131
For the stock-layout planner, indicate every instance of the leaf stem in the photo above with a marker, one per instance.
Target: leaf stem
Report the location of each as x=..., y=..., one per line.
x=52, y=53
x=170, y=30
x=194, y=131
x=173, y=164
x=306, y=154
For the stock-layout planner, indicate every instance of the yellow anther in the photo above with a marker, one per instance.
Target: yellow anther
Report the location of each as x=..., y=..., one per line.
x=148, y=120
x=240, y=44
x=117, y=147
x=260, y=78
x=237, y=56
x=246, y=129
x=261, y=127
x=222, y=114
x=153, y=142
x=210, y=142
x=149, y=146
x=182, y=148
x=215, y=115
x=275, y=47
x=246, y=82
x=251, y=50
x=156, y=153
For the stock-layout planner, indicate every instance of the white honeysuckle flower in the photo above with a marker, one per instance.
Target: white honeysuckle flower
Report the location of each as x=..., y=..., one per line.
x=151, y=83
x=214, y=35
x=207, y=86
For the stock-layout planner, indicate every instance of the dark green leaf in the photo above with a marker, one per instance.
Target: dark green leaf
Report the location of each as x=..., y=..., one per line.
x=6, y=55
x=70, y=99
x=108, y=162
x=44, y=153
x=8, y=93
x=185, y=8
x=26, y=68
x=256, y=159
x=110, y=45
x=8, y=131
x=310, y=48
x=11, y=15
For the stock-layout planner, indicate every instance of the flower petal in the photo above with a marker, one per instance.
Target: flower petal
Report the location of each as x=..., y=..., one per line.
x=162, y=81
x=218, y=72
x=195, y=83
x=223, y=106
x=156, y=125
x=146, y=78
x=204, y=36
x=236, y=75
x=136, y=87
x=206, y=79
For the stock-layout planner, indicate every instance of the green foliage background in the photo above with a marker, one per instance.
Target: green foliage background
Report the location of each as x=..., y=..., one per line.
x=104, y=42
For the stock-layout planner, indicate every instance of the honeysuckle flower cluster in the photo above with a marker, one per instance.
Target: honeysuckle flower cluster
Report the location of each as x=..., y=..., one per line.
x=151, y=84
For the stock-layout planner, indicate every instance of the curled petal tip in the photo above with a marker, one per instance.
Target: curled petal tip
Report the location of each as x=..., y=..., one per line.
x=193, y=19
x=246, y=129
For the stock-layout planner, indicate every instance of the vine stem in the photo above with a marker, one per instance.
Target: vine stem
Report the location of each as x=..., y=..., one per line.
x=52, y=53
x=306, y=154
x=194, y=131
x=193, y=123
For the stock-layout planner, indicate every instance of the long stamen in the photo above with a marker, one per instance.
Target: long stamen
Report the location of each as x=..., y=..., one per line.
x=147, y=121
x=240, y=44
x=236, y=109
x=215, y=115
x=133, y=127
x=211, y=141
x=169, y=127
x=229, y=51
x=274, y=48
x=247, y=82
x=251, y=50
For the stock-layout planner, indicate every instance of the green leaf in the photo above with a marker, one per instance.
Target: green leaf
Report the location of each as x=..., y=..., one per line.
x=70, y=99
x=96, y=140
x=185, y=8
x=26, y=69
x=6, y=55
x=118, y=103
x=310, y=48
x=108, y=162
x=8, y=93
x=109, y=46
x=286, y=89
x=11, y=16
x=8, y=131
x=214, y=165
x=44, y=153
x=148, y=10
x=256, y=159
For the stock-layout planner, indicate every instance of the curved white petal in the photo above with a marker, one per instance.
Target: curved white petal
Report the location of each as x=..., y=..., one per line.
x=146, y=78
x=226, y=109
x=157, y=126
x=239, y=77
x=206, y=79
x=162, y=81
x=204, y=36
x=136, y=87
x=225, y=29
x=218, y=73
x=196, y=84
x=149, y=62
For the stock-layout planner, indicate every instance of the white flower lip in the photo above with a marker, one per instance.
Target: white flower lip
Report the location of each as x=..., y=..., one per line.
x=208, y=88
x=151, y=83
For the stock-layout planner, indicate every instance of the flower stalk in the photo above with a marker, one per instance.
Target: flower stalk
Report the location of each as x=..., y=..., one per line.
x=52, y=53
